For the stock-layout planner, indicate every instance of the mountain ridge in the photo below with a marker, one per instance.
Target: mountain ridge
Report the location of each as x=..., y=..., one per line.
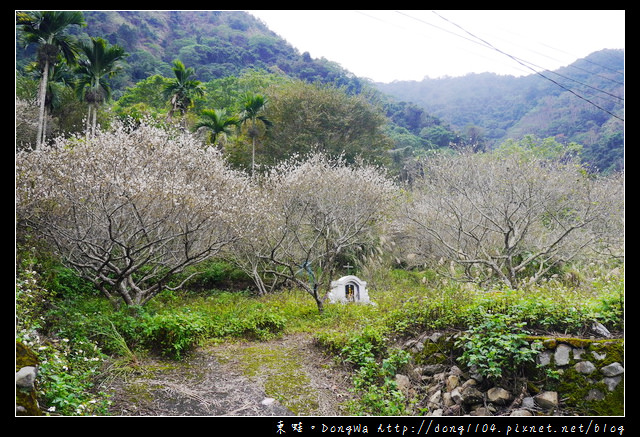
x=582, y=102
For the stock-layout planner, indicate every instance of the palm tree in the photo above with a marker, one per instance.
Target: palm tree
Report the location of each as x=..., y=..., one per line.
x=253, y=105
x=183, y=89
x=59, y=77
x=101, y=62
x=218, y=121
x=46, y=30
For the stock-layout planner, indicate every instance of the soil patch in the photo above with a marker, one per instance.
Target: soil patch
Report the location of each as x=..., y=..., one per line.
x=289, y=376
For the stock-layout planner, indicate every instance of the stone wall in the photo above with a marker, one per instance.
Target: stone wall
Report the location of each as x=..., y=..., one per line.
x=589, y=374
x=571, y=377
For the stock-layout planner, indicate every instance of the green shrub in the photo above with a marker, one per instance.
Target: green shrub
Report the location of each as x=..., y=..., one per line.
x=263, y=325
x=67, y=378
x=376, y=385
x=373, y=376
x=364, y=347
x=68, y=365
x=31, y=301
x=211, y=275
x=176, y=333
x=495, y=346
x=65, y=282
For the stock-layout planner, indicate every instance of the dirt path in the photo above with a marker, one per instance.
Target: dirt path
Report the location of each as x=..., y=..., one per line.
x=283, y=377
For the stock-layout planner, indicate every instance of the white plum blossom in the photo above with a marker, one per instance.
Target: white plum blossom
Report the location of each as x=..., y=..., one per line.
x=131, y=206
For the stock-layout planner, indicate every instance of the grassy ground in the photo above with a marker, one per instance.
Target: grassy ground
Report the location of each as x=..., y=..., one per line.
x=406, y=303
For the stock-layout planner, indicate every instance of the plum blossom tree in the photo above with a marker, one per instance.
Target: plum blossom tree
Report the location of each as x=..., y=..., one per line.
x=312, y=212
x=130, y=207
x=512, y=217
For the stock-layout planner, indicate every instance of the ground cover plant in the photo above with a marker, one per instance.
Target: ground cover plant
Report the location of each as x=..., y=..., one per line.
x=361, y=337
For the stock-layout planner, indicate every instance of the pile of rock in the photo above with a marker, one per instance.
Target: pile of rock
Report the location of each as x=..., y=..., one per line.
x=449, y=392
x=446, y=390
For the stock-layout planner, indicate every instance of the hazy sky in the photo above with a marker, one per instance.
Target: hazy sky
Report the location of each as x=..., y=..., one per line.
x=385, y=45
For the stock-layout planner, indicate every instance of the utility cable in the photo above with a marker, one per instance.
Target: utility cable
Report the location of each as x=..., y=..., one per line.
x=519, y=60
x=523, y=64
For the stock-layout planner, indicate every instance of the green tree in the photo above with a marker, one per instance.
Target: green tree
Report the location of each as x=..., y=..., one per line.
x=254, y=104
x=145, y=98
x=100, y=62
x=312, y=117
x=46, y=29
x=218, y=122
x=182, y=90
x=532, y=147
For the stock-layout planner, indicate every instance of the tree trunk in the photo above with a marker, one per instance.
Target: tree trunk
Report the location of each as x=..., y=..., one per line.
x=88, y=126
x=94, y=121
x=318, y=299
x=44, y=127
x=42, y=95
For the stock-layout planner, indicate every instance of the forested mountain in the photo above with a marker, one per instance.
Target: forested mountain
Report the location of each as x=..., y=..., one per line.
x=479, y=109
x=223, y=44
x=582, y=103
x=215, y=44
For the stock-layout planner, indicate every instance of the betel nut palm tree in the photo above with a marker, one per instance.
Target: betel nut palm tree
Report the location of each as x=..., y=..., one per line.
x=182, y=90
x=46, y=30
x=59, y=78
x=218, y=122
x=100, y=61
x=253, y=105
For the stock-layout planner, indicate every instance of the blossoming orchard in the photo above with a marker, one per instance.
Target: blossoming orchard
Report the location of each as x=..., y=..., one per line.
x=132, y=206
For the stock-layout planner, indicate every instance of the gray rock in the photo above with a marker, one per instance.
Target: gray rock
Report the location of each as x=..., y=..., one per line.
x=431, y=369
x=475, y=374
x=521, y=413
x=598, y=356
x=267, y=401
x=547, y=400
x=435, y=400
x=447, y=401
x=26, y=377
x=585, y=367
x=453, y=381
x=471, y=395
x=561, y=356
x=456, y=396
x=544, y=358
x=455, y=370
x=416, y=345
x=528, y=403
x=498, y=395
x=481, y=411
x=612, y=382
x=599, y=329
x=435, y=336
x=403, y=383
x=594, y=395
x=468, y=383
x=613, y=369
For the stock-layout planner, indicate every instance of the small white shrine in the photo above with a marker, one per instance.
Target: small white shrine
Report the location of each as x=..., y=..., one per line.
x=349, y=289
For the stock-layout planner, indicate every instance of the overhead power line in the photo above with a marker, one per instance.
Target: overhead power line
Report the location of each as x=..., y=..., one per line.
x=521, y=61
x=487, y=44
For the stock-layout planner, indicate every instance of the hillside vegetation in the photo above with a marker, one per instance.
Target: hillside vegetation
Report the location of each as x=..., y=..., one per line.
x=479, y=110
x=582, y=103
x=174, y=209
